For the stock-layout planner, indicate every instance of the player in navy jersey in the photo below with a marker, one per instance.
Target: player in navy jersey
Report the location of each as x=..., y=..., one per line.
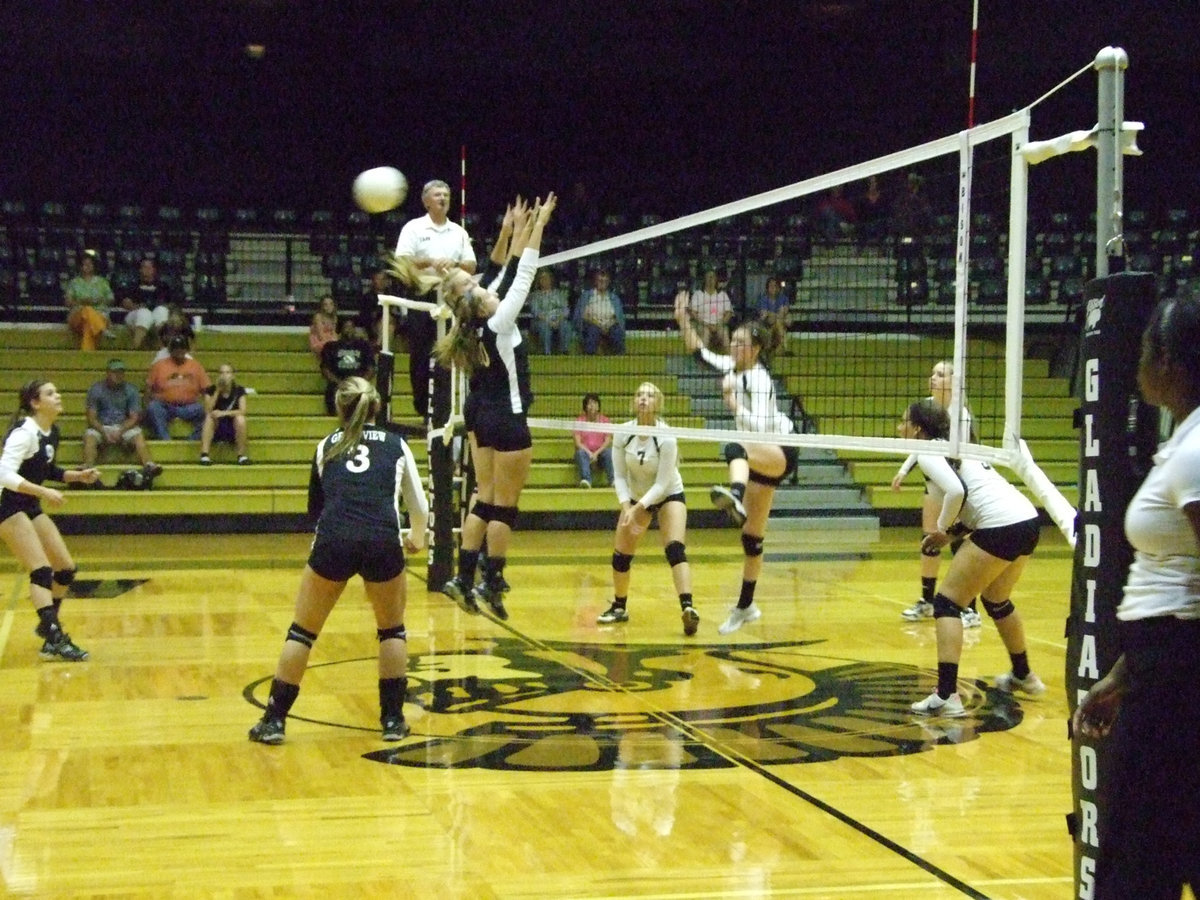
x=359, y=474
x=1002, y=528
x=483, y=341
x=755, y=469
x=648, y=484
x=28, y=459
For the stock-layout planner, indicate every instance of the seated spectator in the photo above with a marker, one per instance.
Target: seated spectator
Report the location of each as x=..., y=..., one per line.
x=224, y=416
x=370, y=313
x=772, y=309
x=324, y=327
x=550, y=314
x=711, y=311
x=598, y=314
x=350, y=354
x=177, y=324
x=835, y=215
x=147, y=304
x=873, y=212
x=592, y=447
x=176, y=387
x=89, y=298
x=114, y=410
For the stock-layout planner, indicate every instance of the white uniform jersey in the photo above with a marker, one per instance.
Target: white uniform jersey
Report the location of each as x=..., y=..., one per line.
x=645, y=468
x=976, y=494
x=754, y=391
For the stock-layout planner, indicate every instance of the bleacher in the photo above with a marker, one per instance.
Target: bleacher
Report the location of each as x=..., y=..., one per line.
x=254, y=276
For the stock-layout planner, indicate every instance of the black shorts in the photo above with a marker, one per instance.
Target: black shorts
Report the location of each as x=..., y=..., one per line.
x=791, y=459
x=13, y=502
x=337, y=559
x=1008, y=542
x=674, y=498
x=496, y=427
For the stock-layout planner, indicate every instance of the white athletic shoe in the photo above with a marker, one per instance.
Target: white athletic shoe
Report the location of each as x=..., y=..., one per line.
x=723, y=498
x=739, y=617
x=970, y=618
x=933, y=705
x=919, y=610
x=1030, y=684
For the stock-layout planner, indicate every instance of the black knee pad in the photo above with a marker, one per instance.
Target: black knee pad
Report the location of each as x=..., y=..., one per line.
x=506, y=515
x=998, y=611
x=753, y=546
x=930, y=551
x=945, y=608
x=734, y=451
x=43, y=576
x=396, y=632
x=483, y=510
x=65, y=576
x=300, y=635
x=622, y=561
x=676, y=553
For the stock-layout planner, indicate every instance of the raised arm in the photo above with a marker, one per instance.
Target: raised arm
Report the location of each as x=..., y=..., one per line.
x=690, y=339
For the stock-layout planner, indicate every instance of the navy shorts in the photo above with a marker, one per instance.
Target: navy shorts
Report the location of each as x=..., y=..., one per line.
x=338, y=559
x=496, y=427
x=13, y=502
x=223, y=433
x=1008, y=542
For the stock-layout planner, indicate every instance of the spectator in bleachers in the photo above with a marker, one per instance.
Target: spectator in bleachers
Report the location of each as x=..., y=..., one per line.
x=550, y=313
x=224, y=416
x=873, y=211
x=370, y=313
x=176, y=325
x=912, y=216
x=176, y=387
x=592, y=448
x=772, y=309
x=835, y=215
x=324, y=326
x=711, y=311
x=89, y=298
x=114, y=411
x=146, y=304
x=430, y=242
x=599, y=314
x=350, y=354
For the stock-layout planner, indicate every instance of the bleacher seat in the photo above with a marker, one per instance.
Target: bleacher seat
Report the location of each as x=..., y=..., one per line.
x=44, y=286
x=346, y=289
x=245, y=218
x=336, y=265
x=1037, y=289
x=1170, y=241
x=284, y=219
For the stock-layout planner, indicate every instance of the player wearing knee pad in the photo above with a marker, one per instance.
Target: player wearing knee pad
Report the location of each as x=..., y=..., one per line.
x=648, y=484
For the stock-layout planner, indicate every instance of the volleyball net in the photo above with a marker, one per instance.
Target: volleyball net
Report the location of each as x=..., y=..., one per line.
x=942, y=268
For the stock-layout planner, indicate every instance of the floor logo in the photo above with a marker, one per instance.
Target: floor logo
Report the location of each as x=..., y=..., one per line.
x=504, y=704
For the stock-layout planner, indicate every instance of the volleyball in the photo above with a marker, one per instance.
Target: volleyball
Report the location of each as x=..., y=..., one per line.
x=380, y=189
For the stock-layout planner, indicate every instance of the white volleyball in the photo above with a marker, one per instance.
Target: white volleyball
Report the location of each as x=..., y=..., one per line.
x=380, y=189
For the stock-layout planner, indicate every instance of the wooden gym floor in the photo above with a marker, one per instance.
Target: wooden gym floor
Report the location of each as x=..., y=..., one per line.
x=550, y=756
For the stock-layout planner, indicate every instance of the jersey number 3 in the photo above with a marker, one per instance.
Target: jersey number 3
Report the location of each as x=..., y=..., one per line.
x=361, y=461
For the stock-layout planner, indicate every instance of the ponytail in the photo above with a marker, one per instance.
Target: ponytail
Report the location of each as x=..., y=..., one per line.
x=357, y=404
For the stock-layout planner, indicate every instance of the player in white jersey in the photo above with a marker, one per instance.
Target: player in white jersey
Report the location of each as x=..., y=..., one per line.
x=940, y=386
x=755, y=469
x=648, y=483
x=1003, y=532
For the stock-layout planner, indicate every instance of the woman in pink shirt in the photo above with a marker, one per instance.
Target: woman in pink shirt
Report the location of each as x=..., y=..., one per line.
x=592, y=447
x=711, y=309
